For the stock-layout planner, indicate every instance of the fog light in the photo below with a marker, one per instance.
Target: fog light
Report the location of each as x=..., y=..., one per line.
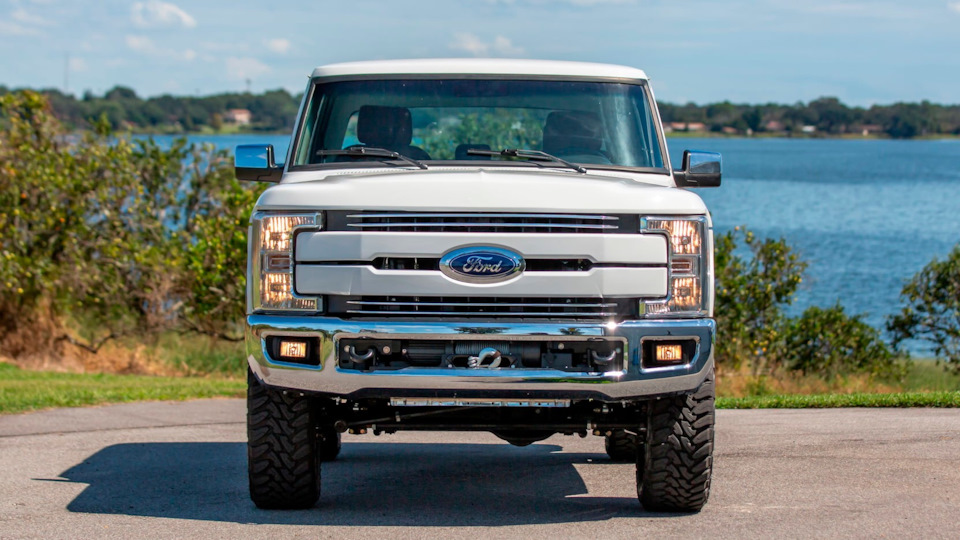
x=293, y=349
x=669, y=353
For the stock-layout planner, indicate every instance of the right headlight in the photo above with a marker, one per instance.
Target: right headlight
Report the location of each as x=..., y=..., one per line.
x=272, y=260
x=688, y=266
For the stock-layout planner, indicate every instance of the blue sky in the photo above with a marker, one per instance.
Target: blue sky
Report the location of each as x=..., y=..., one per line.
x=863, y=52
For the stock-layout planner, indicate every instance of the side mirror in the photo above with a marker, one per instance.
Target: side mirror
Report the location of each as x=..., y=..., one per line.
x=700, y=169
x=254, y=162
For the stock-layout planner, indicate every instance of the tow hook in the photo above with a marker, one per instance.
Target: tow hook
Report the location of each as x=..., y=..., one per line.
x=360, y=358
x=603, y=360
x=489, y=353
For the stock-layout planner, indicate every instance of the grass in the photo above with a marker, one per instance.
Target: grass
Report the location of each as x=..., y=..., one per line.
x=23, y=390
x=824, y=401
x=929, y=375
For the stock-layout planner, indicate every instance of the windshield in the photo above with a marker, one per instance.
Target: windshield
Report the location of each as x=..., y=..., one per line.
x=596, y=124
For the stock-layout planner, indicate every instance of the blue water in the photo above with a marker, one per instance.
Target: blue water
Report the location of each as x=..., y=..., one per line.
x=866, y=215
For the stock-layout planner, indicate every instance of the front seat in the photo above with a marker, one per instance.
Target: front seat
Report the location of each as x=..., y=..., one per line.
x=388, y=127
x=574, y=135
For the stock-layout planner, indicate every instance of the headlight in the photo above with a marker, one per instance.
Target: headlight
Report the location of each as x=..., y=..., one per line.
x=272, y=240
x=687, y=266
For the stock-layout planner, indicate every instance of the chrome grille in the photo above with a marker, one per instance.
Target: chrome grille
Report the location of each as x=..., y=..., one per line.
x=462, y=306
x=485, y=222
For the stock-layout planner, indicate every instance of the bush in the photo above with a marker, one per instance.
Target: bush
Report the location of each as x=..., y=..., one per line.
x=932, y=311
x=755, y=281
x=752, y=288
x=828, y=342
x=103, y=237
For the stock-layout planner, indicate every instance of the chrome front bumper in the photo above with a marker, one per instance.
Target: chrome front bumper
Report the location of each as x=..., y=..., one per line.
x=329, y=379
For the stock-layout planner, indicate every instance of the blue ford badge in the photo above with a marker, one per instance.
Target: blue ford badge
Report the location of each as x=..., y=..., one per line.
x=481, y=264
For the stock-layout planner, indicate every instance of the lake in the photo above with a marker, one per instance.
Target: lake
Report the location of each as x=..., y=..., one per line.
x=866, y=214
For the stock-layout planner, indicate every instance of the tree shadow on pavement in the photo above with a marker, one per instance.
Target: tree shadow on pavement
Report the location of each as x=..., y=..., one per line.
x=380, y=484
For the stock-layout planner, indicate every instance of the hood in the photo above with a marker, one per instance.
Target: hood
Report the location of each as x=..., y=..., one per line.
x=478, y=190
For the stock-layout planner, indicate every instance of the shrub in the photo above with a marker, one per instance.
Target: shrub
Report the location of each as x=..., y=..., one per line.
x=932, y=310
x=112, y=236
x=828, y=342
x=752, y=287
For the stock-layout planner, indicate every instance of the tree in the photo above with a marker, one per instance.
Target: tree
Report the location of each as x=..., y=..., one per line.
x=752, y=289
x=932, y=310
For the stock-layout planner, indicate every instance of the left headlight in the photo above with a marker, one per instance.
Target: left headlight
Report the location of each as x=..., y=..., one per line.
x=688, y=266
x=272, y=258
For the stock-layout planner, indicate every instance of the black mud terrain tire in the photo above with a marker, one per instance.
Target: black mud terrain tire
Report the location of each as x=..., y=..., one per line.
x=623, y=446
x=673, y=473
x=283, y=458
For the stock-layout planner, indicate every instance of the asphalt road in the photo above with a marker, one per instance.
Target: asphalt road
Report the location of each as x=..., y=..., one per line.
x=177, y=470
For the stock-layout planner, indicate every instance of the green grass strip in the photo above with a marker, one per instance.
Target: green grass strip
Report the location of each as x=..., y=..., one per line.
x=823, y=401
x=22, y=390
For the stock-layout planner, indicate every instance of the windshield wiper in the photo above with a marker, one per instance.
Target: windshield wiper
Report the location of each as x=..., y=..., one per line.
x=529, y=154
x=371, y=151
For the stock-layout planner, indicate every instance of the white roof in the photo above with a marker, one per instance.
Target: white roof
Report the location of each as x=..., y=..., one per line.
x=483, y=66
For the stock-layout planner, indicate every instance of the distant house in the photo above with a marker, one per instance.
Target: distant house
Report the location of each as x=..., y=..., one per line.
x=809, y=129
x=239, y=117
x=774, y=126
x=687, y=126
x=729, y=130
x=869, y=129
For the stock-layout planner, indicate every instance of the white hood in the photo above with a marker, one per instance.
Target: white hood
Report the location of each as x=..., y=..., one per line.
x=477, y=190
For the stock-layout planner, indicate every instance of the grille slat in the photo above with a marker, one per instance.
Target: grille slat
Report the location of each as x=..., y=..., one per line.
x=422, y=225
x=480, y=304
x=572, y=308
x=481, y=222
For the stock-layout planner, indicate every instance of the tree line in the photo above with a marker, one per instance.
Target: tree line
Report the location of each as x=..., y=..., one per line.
x=826, y=115
x=274, y=111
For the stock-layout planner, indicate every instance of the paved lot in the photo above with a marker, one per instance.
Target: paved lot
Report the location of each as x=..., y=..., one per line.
x=177, y=470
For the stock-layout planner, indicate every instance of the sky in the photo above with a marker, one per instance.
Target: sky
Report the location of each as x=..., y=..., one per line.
x=753, y=51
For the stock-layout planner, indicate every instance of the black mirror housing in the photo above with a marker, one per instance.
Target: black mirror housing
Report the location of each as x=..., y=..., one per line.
x=699, y=169
x=255, y=163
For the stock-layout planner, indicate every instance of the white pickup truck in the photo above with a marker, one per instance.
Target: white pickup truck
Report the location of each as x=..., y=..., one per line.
x=488, y=245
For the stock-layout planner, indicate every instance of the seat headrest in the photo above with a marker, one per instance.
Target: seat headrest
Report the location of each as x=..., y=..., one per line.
x=571, y=129
x=387, y=127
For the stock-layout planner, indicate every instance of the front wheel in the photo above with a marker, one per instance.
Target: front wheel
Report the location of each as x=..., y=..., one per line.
x=283, y=458
x=673, y=473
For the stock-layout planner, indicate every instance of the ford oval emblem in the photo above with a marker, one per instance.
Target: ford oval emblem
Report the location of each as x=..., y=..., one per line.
x=481, y=264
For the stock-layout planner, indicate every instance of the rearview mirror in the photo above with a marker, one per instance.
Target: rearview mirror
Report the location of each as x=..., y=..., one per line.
x=255, y=162
x=700, y=169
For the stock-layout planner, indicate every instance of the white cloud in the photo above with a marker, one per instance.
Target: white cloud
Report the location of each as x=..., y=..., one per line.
x=246, y=68
x=278, y=45
x=77, y=64
x=22, y=16
x=23, y=23
x=145, y=45
x=504, y=47
x=14, y=29
x=471, y=44
x=157, y=13
x=954, y=6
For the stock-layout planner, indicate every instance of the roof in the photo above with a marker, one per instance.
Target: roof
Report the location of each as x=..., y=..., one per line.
x=483, y=66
